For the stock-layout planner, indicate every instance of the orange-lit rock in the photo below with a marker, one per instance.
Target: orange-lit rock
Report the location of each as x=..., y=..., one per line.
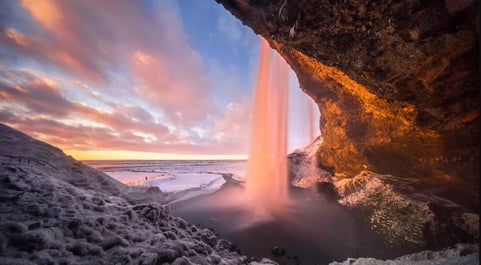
x=396, y=83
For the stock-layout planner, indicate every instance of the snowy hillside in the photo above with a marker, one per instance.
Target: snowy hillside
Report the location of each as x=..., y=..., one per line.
x=55, y=210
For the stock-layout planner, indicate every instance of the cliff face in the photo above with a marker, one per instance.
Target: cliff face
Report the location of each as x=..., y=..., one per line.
x=396, y=82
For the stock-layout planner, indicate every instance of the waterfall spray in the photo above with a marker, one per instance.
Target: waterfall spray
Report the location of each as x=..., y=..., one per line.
x=266, y=181
x=310, y=111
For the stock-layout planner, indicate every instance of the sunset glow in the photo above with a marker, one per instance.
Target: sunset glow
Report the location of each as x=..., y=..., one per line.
x=132, y=155
x=133, y=79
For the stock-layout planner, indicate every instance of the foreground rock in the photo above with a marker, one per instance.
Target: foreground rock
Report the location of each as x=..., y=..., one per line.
x=399, y=212
x=54, y=210
x=396, y=82
x=303, y=166
x=458, y=255
x=405, y=216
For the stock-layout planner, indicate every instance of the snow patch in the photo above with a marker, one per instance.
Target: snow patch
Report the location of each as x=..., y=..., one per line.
x=461, y=254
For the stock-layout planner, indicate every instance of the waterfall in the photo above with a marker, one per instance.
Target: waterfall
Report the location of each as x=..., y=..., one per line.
x=266, y=180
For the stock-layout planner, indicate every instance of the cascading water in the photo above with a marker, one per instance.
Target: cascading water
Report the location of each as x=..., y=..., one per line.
x=266, y=181
x=310, y=111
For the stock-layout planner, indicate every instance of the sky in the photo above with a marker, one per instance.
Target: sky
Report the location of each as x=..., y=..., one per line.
x=146, y=79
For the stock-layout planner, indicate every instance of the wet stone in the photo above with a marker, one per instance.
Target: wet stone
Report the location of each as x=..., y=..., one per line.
x=278, y=251
x=148, y=259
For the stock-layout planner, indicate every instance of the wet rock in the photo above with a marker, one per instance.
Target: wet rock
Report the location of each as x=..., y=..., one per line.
x=182, y=261
x=54, y=212
x=278, y=251
x=10, y=195
x=223, y=244
x=328, y=190
x=43, y=258
x=200, y=260
x=167, y=255
x=263, y=261
x=20, y=186
x=35, y=225
x=153, y=212
x=153, y=189
x=32, y=240
x=3, y=243
x=113, y=241
x=170, y=235
x=80, y=248
x=15, y=261
x=12, y=228
x=207, y=236
x=200, y=247
x=403, y=217
x=181, y=223
x=37, y=209
x=214, y=259
x=11, y=169
x=148, y=259
x=132, y=215
x=459, y=254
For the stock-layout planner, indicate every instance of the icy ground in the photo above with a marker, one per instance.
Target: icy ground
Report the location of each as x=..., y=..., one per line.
x=55, y=210
x=182, y=179
x=460, y=254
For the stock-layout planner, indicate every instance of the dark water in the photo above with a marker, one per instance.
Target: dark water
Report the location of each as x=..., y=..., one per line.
x=314, y=230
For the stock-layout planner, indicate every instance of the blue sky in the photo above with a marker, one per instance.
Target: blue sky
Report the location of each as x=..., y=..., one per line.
x=133, y=79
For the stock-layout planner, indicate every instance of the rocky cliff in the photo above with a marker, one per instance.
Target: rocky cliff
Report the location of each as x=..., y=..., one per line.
x=396, y=83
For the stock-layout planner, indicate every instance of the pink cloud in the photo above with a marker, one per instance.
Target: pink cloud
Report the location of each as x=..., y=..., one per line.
x=44, y=101
x=179, y=88
x=100, y=44
x=36, y=94
x=126, y=128
x=89, y=38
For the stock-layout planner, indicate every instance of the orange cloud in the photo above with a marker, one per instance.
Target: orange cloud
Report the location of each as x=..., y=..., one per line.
x=17, y=37
x=45, y=11
x=89, y=38
x=140, y=65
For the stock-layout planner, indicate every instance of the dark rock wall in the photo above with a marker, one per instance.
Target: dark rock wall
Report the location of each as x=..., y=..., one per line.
x=396, y=82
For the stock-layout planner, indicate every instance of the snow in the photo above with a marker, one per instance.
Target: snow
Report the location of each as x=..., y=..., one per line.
x=186, y=178
x=461, y=254
x=55, y=210
x=303, y=169
x=181, y=182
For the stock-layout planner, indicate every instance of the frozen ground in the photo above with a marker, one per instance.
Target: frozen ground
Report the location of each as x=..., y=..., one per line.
x=461, y=254
x=55, y=210
x=186, y=178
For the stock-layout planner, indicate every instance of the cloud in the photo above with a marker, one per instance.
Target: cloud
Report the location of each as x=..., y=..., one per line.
x=116, y=74
x=42, y=101
x=233, y=128
x=91, y=39
x=181, y=89
x=40, y=96
x=38, y=107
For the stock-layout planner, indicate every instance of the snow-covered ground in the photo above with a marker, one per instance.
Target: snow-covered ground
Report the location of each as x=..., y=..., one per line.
x=189, y=177
x=461, y=254
x=56, y=210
